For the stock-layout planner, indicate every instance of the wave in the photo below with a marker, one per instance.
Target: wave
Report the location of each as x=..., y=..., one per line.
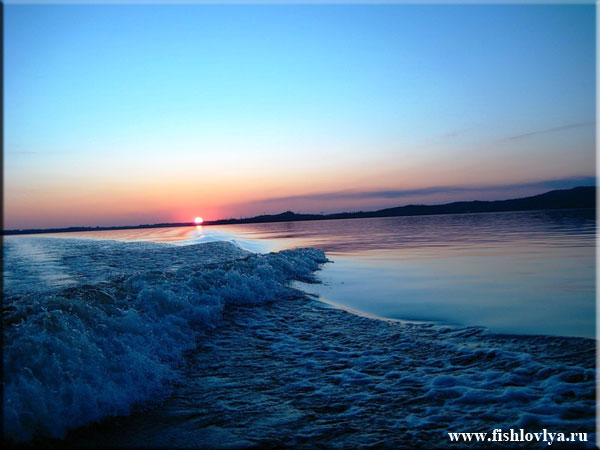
x=119, y=327
x=302, y=374
x=109, y=330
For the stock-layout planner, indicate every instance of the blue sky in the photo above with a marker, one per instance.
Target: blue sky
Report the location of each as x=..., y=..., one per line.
x=128, y=113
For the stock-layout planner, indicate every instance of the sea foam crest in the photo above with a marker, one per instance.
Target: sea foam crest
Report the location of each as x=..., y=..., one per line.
x=79, y=354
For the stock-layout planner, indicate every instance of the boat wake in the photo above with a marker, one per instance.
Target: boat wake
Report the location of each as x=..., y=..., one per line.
x=138, y=344
x=102, y=344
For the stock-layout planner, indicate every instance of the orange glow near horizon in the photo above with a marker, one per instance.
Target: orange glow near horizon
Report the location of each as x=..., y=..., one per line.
x=123, y=203
x=100, y=196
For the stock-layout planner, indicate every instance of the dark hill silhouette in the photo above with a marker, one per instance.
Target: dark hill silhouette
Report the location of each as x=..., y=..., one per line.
x=575, y=198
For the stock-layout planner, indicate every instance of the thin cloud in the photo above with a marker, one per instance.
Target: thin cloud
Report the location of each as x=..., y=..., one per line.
x=546, y=131
x=564, y=183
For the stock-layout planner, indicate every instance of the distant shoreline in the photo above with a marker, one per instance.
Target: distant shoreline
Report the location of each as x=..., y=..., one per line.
x=583, y=197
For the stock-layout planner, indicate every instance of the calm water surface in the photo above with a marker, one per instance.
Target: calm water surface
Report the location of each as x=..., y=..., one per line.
x=515, y=272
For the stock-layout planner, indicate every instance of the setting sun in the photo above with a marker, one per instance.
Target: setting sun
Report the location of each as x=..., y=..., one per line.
x=198, y=220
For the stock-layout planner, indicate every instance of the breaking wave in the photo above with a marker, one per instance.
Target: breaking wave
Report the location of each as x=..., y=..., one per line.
x=100, y=329
x=94, y=328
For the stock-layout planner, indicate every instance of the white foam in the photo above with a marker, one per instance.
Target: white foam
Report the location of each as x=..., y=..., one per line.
x=117, y=337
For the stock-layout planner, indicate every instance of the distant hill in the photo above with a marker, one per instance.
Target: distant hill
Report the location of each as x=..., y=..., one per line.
x=575, y=198
x=579, y=197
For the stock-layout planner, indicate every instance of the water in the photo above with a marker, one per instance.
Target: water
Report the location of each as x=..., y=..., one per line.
x=135, y=338
x=513, y=272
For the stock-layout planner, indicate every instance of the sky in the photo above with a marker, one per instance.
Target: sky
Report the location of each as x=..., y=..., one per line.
x=130, y=114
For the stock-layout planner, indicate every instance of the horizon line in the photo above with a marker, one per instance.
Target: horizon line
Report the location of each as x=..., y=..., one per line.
x=81, y=228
